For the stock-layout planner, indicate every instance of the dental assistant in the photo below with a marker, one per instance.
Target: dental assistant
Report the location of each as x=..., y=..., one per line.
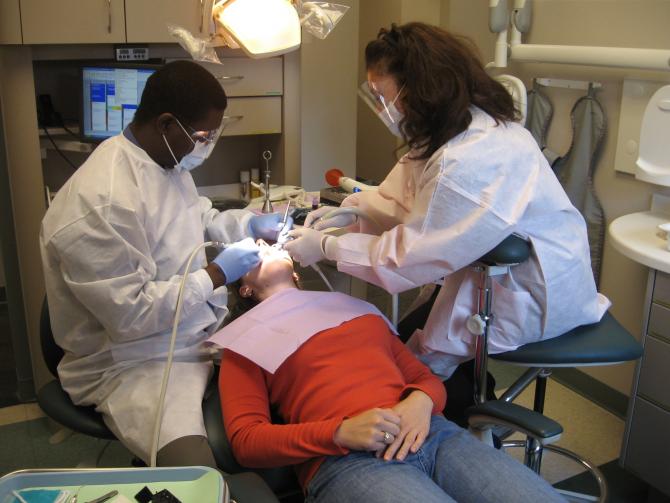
x=472, y=177
x=114, y=245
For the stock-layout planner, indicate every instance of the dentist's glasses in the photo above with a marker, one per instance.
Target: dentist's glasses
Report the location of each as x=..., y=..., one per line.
x=196, y=136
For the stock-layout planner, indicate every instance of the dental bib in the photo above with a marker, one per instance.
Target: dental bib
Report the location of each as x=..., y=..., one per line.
x=273, y=330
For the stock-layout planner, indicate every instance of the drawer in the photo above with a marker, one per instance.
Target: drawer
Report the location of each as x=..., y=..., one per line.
x=659, y=322
x=662, y=288
x=649, y=444
x=249, y=77
x=654, y=381
x=245, y=116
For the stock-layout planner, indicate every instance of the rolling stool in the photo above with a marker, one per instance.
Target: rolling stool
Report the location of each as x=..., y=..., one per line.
x=53, y=399
x=603, y=343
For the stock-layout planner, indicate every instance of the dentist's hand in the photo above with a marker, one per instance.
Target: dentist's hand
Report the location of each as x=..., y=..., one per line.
x=268, y=226
x=315, y=219
x=238, y=259
x=305, y=246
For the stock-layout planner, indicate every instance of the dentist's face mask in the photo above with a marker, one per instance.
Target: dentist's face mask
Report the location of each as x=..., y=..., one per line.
x=385, y=110
x=203, y=144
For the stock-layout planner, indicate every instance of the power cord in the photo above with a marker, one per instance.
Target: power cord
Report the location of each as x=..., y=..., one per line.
x=57, y=149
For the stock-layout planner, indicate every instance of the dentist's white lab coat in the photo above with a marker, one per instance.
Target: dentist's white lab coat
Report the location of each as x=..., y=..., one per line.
x=114, y=245
x=440, y=215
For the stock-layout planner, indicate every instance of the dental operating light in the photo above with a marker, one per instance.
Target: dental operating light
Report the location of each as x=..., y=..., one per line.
x=262, y=28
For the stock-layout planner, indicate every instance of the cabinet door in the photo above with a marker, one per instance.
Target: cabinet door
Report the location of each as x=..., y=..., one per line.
x=253, y=116
x=72, y=21
x=10, y=22
x=249, y=77
x=146, y=20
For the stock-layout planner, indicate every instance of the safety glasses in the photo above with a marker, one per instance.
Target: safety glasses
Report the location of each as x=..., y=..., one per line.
x=375, y=100
x=196, y=136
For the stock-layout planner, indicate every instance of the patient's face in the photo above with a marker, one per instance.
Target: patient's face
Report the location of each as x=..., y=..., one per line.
x=276, y=266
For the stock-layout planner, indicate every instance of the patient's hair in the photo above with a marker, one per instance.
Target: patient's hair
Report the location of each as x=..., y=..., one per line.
x=442, y=77
x=241, y=304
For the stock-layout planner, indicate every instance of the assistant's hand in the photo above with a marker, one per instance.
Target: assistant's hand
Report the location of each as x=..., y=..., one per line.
x=267, y=226
x=238, y=259
x=415, y=412
x=315, y=219
x=283, y=234
x=305, y=246
x=365, y=432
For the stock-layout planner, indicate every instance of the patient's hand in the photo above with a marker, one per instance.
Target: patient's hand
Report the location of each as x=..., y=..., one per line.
x=365, y=432
x=415, y=412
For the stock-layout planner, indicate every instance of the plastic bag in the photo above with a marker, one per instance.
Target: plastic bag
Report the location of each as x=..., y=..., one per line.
x=320, y=18
x=200, y=49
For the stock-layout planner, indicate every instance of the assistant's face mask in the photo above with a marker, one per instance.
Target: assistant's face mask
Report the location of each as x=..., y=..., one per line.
x=387, y=112
x=391, y=117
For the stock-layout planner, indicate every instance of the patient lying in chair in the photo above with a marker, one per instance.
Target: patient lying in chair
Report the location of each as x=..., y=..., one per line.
x=362, y=414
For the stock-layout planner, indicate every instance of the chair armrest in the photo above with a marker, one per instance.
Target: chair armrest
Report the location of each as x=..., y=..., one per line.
x=515, y=417
x=249, y=487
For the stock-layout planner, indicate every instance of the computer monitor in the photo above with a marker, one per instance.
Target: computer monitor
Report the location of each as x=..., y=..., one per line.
x=110, y=96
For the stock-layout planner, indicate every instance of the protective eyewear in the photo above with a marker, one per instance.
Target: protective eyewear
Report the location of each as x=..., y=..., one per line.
x=375, y=100
x=210, y=136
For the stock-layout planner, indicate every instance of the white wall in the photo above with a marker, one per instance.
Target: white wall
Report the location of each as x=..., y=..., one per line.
x=328, y=83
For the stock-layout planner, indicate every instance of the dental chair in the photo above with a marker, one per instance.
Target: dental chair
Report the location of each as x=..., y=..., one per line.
x=56, y=403
x=282, y=481
x=602, y=343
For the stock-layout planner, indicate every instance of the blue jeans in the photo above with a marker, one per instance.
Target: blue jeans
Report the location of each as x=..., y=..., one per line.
x=451, y=465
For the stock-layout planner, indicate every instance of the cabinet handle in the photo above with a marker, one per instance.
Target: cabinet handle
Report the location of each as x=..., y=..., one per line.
x=233, y=117
x=109, y=16
x=227, y=79
x=202, y=14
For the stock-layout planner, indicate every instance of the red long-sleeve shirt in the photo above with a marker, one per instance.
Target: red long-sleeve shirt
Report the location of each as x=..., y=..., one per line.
x=336, y=374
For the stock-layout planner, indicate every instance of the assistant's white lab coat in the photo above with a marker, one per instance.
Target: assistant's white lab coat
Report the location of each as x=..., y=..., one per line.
x=114, y=244
x=440, y=215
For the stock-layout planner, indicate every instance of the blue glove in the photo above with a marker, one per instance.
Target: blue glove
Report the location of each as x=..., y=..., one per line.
x=268, y=226
x=238, y=259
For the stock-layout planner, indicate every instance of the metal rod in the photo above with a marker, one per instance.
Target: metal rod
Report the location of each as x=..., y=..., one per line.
x=267, y=205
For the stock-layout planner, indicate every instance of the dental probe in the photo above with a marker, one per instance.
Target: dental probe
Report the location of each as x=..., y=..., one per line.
x=285, y=219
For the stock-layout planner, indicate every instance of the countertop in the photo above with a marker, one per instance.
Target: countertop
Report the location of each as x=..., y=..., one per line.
x=637, y=237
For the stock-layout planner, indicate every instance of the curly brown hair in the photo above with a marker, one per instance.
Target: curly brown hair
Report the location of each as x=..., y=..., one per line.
x=442, y=77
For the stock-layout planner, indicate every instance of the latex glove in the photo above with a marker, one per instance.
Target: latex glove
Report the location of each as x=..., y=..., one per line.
x=283, y=234
x=238, y=259
x=314, y=219
x=305, y=246
x=267, y=226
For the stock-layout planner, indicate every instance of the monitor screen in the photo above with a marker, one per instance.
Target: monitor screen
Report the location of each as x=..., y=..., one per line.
x=110, y=97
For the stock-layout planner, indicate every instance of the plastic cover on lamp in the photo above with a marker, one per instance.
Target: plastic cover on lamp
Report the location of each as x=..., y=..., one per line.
x=262, y=28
